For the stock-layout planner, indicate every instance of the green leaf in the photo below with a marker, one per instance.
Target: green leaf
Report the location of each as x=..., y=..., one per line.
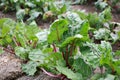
x=110, y=77
x=33, y=14
x=8, y=25
x=94, y=20
x=37, y=55
x=22, y=52
x=102, y=33
x=82, y=67
x=84, y=30
x=70, y=40
x=69, y=73
x=106, y=15
x=2, y=21
x=91, y=53
x=114, y=36
x=30, y=4
x=106, y=53
x=31, y=32
x=52, y=59
x=117, y=53
x=63, y=9
x=20, y=14
x=42, y=35
x=101, y=5
x=57, y=29
x=116, y=65
x=82, y=14
x=96, y=77
x=21, y=39
x=30, y=68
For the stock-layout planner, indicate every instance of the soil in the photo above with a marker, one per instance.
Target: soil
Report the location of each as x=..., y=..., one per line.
x=10, y=69
x=8, y=15
x=10, y=66
x=116, y=46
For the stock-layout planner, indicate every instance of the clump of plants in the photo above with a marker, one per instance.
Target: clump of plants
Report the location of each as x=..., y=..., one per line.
x=29, y=10
x=68, y=49
x=101, y=4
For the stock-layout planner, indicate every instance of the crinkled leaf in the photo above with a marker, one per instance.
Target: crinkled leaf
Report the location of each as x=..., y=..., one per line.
x=96, y=77
x=75, y=22
x=91, y=54
x=57, y=29
x=94, y=20
x=102, y=33
x=42, y=35
x=116, y=66
x=106, y=15
x=82, y=67
x=69, y=73
x=52, y=59
x=37, y=55
x=22, y=52
x=20, y=14
x=110, y=77
x=30, y=68
x=31, y=31
x=70, y=40
x=115, y=37
x=101, y=5
x=34, y=14
x=7, y=26
x=106, y=53
x=2, y=21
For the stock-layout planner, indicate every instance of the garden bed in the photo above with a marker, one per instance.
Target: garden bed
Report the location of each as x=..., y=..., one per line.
x=66, y=43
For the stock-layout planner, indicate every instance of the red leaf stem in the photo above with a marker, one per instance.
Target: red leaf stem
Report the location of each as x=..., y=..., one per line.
x=54, y=47
x=50, y=74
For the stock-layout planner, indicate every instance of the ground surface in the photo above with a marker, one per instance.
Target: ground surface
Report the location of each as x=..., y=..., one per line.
x=10, y=69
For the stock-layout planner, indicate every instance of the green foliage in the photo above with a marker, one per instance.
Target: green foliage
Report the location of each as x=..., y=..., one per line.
x=101, y=5
x=80, y=66
x=57, y=31
x=104, y=55
x=97, y=20
x=30, y=10
x=102, y=33
x=21, y=52
x=115, y=2
x=30, y=68
x=18, y=35
x=66, y=48
x=69, y=73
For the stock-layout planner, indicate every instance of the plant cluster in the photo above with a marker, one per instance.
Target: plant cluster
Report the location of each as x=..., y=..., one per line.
x=29, y=10
x=101, y=4
x=69, y=48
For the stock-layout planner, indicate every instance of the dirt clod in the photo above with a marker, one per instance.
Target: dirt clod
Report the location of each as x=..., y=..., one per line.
x=10, y=66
